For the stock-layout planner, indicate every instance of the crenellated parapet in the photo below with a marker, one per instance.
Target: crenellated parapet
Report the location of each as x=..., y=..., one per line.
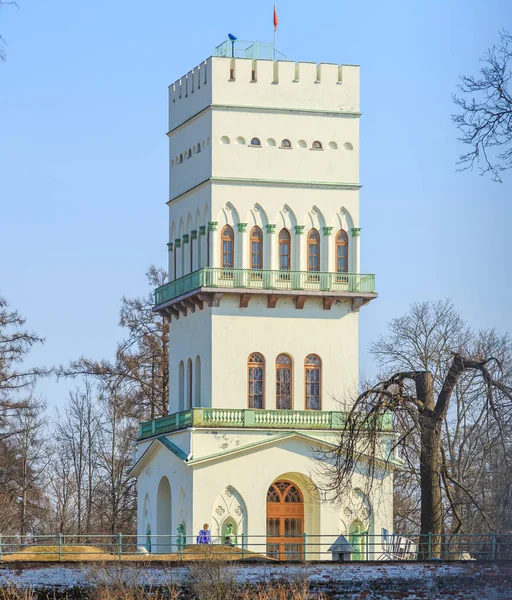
x=263, y=84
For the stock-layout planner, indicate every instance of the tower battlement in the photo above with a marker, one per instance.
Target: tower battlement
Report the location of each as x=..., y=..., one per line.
x=265, y=84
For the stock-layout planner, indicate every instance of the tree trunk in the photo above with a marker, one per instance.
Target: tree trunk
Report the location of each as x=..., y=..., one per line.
x=430, y=481
x=430, y=470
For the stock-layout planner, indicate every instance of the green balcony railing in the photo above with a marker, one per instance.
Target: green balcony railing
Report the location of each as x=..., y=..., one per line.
x=250, y=418
x=264, y=279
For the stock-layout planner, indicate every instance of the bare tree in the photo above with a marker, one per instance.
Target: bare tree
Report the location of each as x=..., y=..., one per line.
x=485, y=122
x=430, y=356
x=77, y=435
x=31, y=457
x=115, y=495
x=15, y=343
x=61, y=492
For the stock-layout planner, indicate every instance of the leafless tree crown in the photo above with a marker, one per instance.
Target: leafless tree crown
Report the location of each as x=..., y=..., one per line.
x=485, y=120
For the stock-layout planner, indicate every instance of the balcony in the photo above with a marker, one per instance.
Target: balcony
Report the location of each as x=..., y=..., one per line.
x=209, y=284
x=253, y=50
x=247, y=418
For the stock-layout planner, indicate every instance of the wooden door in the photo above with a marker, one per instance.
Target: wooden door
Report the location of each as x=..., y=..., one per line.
x=285, y=521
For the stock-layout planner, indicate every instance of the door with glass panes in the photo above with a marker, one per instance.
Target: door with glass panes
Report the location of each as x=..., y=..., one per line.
x=285, y=521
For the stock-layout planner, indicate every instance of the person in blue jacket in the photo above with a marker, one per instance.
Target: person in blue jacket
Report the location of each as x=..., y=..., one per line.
x=204, y=536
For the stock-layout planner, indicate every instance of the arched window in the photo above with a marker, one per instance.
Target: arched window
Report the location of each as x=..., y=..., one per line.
x=199, y=255
x=199, y=147
x=255, y=142
x=256, y=380
x=285, y=257
x=313, y=251
x=189, y=153
x=283, y=382
x=317, y=145
x=181, y=158
x=181, y=397
x=174, y=261
x=286, y=144
x=227, y=247
x=341, y=252
x=285, y=521
x=197, y=391
x=189, y=384
x=207, y=246
x=293, y=495
x=256, y=248
x=312, y=377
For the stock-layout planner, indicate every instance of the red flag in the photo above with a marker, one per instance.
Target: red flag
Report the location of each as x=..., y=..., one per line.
x=276, y=20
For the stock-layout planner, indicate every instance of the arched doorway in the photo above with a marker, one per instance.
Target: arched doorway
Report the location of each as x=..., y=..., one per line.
x=285, y=521
x=163, y=543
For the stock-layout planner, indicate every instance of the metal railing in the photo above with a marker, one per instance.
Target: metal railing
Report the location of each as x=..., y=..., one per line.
x=246, y=49
x=356, y=548
x=251, y=418
x=264, y=279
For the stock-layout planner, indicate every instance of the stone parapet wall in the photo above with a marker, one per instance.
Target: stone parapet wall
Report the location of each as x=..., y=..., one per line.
x=408, y=581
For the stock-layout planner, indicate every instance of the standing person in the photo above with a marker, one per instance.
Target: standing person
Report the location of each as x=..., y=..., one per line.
x=204, y=536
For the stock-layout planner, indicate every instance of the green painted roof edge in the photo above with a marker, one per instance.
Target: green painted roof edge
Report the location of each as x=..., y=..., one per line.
x=173, y=448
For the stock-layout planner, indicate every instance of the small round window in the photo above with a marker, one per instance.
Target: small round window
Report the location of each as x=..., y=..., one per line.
x=255, y=142
x=286, y=144
x=317, y=145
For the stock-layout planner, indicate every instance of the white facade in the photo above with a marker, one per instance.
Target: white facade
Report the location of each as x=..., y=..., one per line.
x=272, y=146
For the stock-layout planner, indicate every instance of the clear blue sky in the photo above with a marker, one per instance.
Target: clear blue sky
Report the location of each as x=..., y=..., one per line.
x=83, y=153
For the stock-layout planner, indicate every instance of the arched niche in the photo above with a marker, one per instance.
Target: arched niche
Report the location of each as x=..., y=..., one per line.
x=163, y=542
x=229, y=507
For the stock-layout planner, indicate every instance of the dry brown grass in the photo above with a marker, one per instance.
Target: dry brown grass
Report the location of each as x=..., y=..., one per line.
x=120, y=582
x=282, y=591
x=215, y=579
x=51, y=553
x=8, y=591
x=92, y=553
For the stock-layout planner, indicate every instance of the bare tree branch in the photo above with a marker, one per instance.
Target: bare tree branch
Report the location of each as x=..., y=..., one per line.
x=485, y=122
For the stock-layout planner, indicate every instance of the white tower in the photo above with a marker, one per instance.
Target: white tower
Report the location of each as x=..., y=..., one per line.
x=263, y=297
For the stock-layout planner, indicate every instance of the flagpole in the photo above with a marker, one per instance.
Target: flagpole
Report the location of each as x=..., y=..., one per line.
x=275, y=27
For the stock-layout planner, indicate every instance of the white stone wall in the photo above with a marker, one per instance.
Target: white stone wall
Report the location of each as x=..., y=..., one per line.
x=164, y=464
x=224, y=337
x=247, y=476
x=238, y=332
x=284, y=206
x=188, y=165
x=234, y=156
x=262, y=83
x=191, y=338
